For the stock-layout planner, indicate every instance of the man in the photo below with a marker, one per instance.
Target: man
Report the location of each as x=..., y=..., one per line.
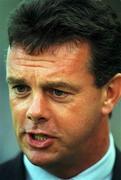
x=63, y=73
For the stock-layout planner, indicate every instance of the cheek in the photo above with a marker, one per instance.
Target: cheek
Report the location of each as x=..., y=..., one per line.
x=78, y=118
x=18, y=114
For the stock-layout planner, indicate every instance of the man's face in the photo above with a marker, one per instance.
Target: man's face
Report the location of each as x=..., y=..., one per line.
x=55, y=105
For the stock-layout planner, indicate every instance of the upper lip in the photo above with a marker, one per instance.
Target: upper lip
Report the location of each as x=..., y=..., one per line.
x=37, y=131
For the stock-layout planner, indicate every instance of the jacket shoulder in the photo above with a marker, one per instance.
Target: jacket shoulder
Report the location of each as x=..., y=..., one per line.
x=117, y=166
x=13, y=169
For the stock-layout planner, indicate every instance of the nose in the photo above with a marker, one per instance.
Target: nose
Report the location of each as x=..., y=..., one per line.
x=38, y=110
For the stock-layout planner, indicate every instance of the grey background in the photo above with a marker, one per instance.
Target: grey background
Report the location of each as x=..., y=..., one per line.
x=8, y=144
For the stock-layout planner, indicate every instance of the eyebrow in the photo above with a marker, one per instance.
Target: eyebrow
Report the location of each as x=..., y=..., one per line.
x=63, y=85
x=12, y=80
x=47, y=85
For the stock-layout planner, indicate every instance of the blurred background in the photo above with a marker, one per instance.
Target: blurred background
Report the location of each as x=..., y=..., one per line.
x=8, y=144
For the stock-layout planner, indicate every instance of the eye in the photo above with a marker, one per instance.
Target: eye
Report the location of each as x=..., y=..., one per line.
x=58, y=95
x=21, y=89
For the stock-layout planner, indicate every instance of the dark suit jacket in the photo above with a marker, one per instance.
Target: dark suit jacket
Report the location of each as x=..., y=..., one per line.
x=14, y=169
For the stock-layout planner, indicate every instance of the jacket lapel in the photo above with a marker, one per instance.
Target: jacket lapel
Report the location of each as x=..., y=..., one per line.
x=117, y=166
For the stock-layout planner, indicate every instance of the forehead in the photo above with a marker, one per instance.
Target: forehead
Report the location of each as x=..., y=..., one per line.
x=57, y=58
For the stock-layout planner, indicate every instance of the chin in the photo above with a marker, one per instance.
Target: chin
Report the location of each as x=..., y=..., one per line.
x=41, y=159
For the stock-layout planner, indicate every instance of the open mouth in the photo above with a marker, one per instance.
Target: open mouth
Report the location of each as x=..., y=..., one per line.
x=39, y=137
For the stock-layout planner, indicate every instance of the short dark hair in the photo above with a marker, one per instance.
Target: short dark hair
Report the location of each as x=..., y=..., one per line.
x=39, y=24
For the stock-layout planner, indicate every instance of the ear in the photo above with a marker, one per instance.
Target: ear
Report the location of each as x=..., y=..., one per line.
x=112, y=94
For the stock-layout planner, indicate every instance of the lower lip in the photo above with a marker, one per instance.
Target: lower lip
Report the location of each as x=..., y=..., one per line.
x=41, y=144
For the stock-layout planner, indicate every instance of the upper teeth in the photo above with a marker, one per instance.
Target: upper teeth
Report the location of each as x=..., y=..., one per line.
x=40, y=137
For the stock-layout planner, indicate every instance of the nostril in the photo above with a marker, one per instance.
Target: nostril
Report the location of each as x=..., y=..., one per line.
x=29, y=117
x=36, y=119
x=42, y=119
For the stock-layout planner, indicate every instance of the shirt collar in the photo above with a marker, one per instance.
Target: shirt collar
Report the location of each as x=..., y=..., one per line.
x=101, y=170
